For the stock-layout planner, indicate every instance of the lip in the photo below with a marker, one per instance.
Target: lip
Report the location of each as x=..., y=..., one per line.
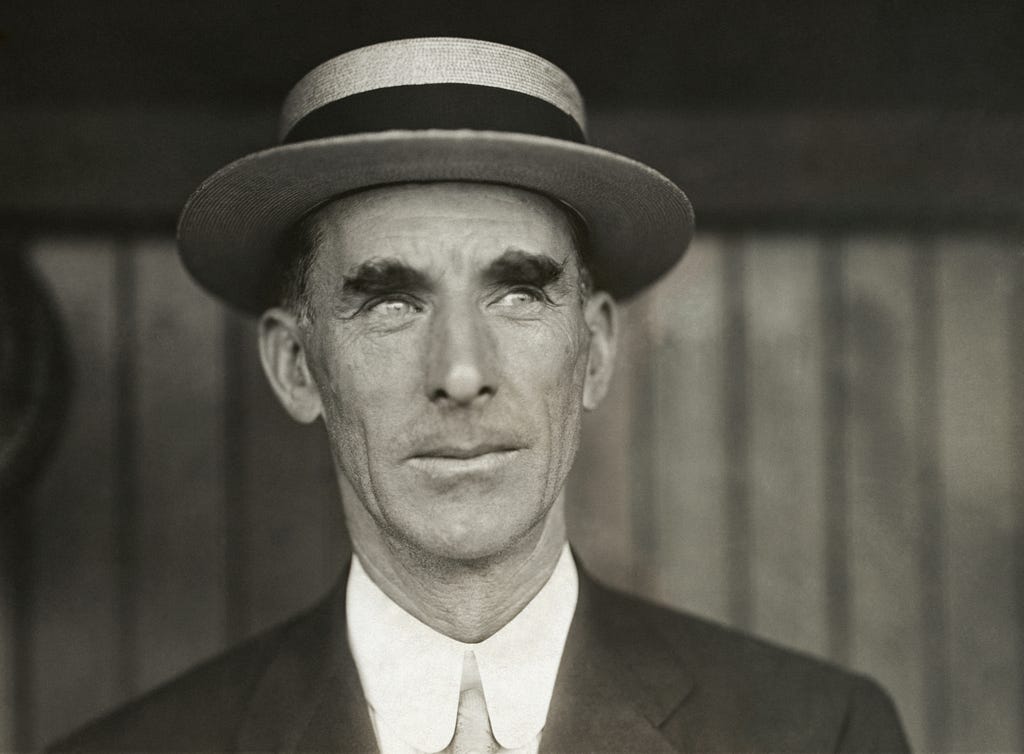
x=461, y=460
x=464, y=452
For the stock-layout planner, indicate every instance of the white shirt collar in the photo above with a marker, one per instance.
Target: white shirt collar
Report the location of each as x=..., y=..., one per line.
x=411, y=674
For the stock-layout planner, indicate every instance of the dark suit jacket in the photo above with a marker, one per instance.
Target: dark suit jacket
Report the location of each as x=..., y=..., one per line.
x=633, y=677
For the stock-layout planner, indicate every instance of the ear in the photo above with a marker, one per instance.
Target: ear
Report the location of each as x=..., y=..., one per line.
x=601, y=317
x=283, y=353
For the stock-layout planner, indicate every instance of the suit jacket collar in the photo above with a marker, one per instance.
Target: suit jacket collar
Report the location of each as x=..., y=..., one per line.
x=617, y=682
x=309, y=697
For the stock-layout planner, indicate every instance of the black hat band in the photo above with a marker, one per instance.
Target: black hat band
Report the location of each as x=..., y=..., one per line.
x=441, y=106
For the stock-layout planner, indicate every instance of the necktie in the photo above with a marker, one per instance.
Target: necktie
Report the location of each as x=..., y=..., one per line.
x=473, y=726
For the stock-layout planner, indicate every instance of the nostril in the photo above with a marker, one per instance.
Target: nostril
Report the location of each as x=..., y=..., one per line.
x=441, y=394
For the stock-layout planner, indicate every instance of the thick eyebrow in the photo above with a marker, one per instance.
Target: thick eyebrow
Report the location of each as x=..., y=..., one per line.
x=383, y=275
x=524, y=267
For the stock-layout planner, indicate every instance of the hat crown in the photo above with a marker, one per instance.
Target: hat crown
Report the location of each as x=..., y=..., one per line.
x=431, y=60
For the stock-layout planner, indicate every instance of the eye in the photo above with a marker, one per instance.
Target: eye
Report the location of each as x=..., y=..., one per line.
x=520, y=297
x=391, y=307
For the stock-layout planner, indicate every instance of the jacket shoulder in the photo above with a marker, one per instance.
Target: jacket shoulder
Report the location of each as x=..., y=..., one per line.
x=751, y=694
x=199, y=710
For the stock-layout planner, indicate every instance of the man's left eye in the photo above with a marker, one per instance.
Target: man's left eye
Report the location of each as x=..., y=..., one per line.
x=519, y=297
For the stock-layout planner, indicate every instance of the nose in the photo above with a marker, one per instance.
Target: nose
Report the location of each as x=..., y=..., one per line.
x=460, y=369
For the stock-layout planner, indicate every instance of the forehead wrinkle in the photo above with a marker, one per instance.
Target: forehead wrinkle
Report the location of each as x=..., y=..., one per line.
x=380, y=204
x=459, y=198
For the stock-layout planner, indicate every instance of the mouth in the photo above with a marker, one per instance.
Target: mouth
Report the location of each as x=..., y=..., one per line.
x=463, y=459
x=464, y=452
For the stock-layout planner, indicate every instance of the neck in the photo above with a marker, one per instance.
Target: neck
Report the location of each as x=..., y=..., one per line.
x=466, y=600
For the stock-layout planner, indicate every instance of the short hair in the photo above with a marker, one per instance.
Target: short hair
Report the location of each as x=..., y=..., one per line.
x=299, y=244
x=297, y=250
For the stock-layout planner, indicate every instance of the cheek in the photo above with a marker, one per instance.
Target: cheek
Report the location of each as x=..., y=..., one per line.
x=565, y=355
x=366, y=388
x=553, y=377
x=547, y=367
x=367, y=372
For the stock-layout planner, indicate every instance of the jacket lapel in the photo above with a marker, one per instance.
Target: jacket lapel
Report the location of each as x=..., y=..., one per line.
x=339, y=720
x=309, y=698
x=617, y=681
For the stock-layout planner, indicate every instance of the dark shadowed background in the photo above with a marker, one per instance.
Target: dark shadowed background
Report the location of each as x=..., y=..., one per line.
x=816, y=433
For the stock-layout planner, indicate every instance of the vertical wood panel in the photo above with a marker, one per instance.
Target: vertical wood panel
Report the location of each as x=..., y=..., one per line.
x=1015, y=250
x=975, y=285
x=126, y=466
x=645, y=560
x=884, y=518
x=687, y=337
x=835, y=437
x=931, y=497
x=181, y=581
x=786, y=440
x=288, y=490
x=736, y=437
x=75, y=632
x=238, y=582
x=9, y=660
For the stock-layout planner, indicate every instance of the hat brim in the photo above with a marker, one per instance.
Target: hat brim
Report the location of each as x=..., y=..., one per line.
x=639, y=222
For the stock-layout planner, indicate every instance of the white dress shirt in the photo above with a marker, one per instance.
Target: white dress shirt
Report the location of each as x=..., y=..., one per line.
x=412, y=675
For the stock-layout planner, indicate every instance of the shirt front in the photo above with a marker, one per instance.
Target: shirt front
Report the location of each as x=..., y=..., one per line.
x=412, y=675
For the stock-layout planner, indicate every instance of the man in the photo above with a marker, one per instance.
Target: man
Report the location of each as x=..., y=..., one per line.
x=433, y=253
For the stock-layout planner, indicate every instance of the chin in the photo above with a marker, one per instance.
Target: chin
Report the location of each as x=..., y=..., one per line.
x=470, y=539
x=474, y=519
x=465, y=545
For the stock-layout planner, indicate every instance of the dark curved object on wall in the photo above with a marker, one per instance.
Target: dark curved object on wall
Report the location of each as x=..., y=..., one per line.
x=35, y=376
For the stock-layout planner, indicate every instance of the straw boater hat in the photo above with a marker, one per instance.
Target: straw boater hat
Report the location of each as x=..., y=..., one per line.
x=433, y=109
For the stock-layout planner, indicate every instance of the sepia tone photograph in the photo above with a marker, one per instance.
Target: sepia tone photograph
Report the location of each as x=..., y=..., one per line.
x=512, y=377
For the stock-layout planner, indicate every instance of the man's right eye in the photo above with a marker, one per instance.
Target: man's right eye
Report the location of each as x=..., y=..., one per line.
x=391, y=307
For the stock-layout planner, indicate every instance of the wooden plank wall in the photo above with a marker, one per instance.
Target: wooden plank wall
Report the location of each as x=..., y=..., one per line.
x=182, y=510
x=816, y=438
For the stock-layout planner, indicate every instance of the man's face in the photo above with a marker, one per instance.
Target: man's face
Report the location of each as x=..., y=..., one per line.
x=449, y=349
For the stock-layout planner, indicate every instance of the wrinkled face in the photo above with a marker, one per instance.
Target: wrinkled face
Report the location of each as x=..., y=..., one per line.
x=449, y=347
